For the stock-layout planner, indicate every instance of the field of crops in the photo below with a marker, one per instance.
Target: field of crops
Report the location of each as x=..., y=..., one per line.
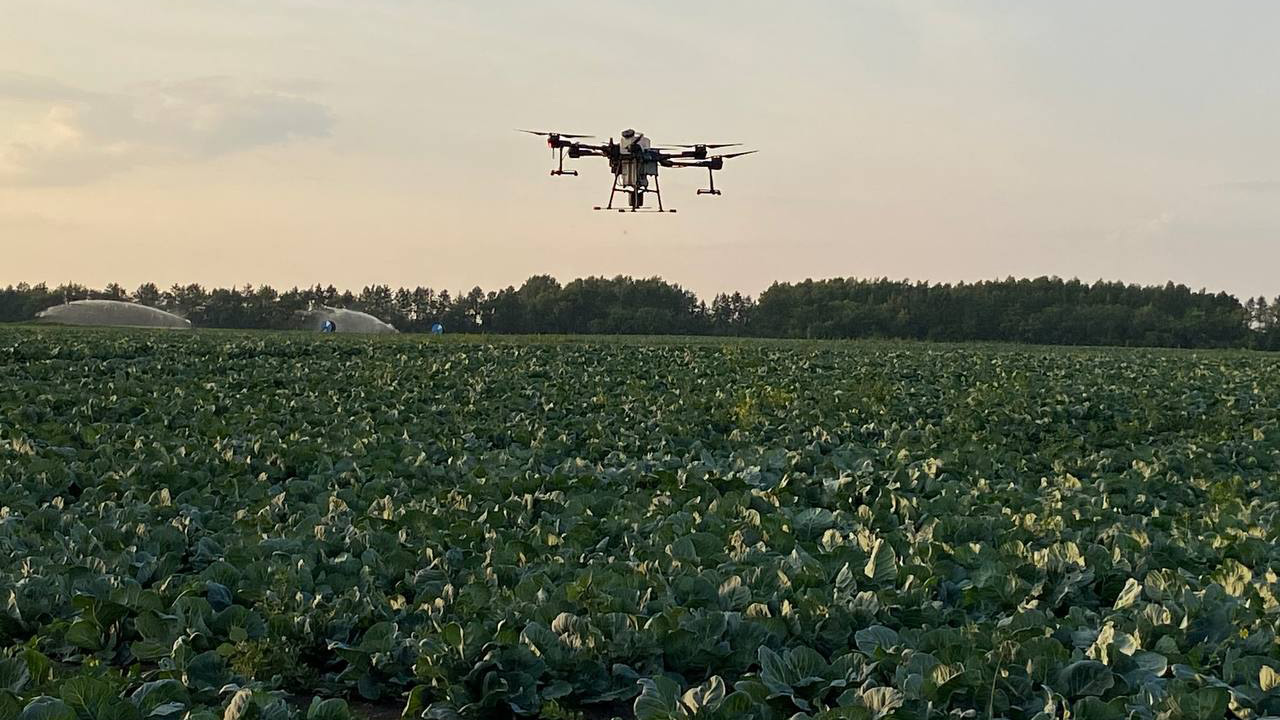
x=259, y=526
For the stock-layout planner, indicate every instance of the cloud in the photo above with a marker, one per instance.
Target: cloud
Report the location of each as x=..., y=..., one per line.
x=72, y=136
x=1148, y=230
x=28, y=220
x=33, y=88
x=1252, y=186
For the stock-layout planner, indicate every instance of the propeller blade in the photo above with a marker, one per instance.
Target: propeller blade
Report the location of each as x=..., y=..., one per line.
x=709, y=146
x=737, y=154
x=557, y=134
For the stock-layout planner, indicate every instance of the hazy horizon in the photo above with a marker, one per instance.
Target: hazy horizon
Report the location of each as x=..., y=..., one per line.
x=312, y=141
x=460, y=289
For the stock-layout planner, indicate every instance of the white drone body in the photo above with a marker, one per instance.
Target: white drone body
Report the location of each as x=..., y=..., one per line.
x=635, y=168
x=634, y=137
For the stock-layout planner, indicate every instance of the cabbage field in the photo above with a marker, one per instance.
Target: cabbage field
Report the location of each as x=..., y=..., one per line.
x=245, y=526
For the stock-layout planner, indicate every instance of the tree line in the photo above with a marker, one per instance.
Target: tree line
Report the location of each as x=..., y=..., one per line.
x=1042, y=310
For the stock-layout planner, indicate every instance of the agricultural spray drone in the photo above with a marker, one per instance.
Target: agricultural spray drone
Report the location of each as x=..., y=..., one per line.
x=633, y=160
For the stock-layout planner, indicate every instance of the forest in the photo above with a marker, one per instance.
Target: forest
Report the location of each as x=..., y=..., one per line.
x=1043, y=310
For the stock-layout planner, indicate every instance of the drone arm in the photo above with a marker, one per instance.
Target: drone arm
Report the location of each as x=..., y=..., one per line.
x=576, y=150
x=690, y=154
x=714, y=164
x=587, y=150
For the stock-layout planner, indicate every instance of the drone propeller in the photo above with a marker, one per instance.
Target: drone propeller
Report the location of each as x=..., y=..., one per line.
x=556, y=134
x=737, y=154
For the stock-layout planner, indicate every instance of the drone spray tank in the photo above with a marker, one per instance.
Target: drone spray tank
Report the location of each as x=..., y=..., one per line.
x=636, y=165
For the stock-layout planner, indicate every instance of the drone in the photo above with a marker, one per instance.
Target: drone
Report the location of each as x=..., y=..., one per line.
x=634, y=159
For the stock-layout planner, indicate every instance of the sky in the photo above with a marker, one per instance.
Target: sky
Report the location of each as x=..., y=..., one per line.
x=294, y=142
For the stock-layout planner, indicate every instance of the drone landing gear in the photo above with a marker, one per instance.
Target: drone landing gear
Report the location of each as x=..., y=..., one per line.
x=560, y=168
x=635, y=197
x=635, y=210
x=711, y=178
